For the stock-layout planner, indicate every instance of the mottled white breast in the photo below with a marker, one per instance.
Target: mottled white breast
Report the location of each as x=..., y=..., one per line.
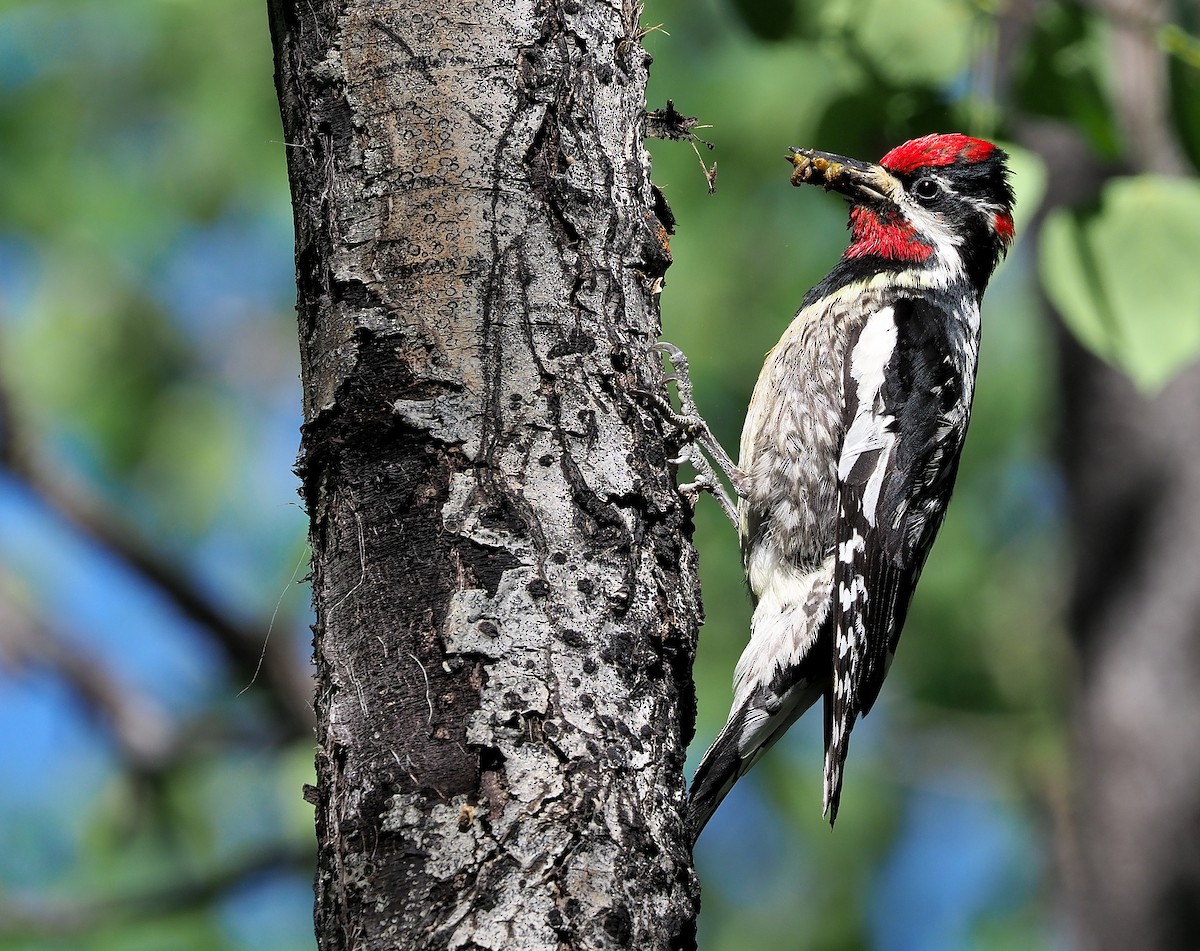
x=792, y=440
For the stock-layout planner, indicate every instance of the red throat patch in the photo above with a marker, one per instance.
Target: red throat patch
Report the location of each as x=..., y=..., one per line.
x=936, y=149
x=894, y=239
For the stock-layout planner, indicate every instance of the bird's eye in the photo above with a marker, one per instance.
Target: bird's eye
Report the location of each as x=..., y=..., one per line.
x=926, y=189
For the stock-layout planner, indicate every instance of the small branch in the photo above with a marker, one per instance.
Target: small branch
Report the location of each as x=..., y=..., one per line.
x=141, y=731
x=671, y=124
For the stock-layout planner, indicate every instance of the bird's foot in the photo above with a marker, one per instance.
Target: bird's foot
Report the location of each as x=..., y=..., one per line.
x=700, y=448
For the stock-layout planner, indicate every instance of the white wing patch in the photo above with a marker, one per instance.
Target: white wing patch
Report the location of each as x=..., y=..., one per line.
x=870, y=430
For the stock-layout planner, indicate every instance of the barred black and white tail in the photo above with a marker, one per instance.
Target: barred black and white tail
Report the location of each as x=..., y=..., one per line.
x=837, y=745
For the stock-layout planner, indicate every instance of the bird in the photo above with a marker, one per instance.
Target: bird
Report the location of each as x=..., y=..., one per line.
x=851, y=444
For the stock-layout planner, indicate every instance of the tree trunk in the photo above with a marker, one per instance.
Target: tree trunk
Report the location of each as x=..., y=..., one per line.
x=506, y=598
x=1132, y=465
x=1134, y=473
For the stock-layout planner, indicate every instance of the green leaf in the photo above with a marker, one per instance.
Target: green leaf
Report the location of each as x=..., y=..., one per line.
x=1125, y=278
x=1068, y=275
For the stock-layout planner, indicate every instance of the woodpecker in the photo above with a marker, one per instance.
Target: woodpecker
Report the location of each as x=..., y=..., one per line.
x=851, y=443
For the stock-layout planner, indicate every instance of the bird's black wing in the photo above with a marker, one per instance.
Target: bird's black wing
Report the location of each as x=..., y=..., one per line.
x=907, y=407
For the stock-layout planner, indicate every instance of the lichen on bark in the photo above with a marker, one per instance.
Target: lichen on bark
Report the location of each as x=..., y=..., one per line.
x=505, y=587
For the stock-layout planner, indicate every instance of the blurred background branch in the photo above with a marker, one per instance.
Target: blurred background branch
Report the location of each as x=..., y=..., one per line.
x=284, y=684
x=139, y=729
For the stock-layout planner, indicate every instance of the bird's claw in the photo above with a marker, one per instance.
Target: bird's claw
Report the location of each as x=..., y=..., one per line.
x=700, y=448
x=680, y=376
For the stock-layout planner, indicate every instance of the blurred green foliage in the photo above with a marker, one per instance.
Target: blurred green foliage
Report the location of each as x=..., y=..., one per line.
x=972, y=715
x=127, y=131
x=1065, y=74
x=1122, y=273
x=148, y=346
x=148, y=342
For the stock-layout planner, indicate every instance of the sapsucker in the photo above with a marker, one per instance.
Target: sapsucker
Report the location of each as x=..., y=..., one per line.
x=851, y=443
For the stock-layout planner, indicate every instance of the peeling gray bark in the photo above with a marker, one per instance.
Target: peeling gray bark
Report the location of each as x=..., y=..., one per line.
x=505, y=588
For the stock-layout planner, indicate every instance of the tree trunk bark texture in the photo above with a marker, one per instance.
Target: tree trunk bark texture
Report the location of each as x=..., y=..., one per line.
x=505, y=592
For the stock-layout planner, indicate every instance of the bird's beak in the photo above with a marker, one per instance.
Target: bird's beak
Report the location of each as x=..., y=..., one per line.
x=858, y=181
